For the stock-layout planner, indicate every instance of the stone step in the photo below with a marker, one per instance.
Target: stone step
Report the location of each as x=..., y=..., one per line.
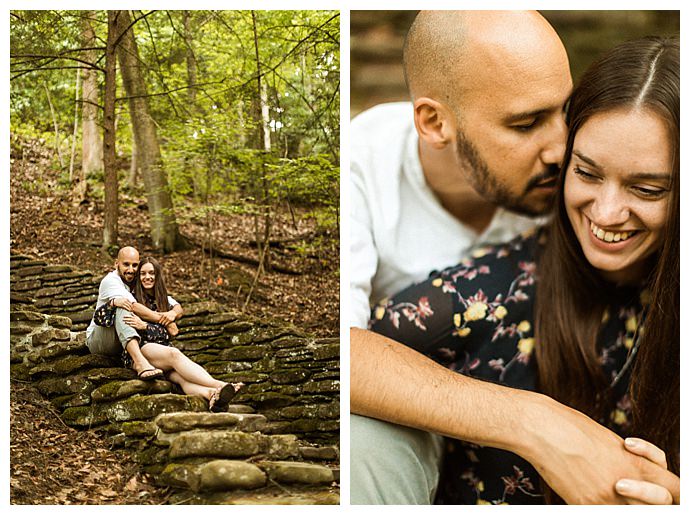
x=227, y=475
x=275, y=495
x=223, y=443
x=171, y=423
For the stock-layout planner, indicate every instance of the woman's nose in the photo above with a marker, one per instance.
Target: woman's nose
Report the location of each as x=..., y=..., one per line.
x=610, y=208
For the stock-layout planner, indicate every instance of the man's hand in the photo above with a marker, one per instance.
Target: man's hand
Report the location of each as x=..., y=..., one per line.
x=583, y=461
x=122, y=302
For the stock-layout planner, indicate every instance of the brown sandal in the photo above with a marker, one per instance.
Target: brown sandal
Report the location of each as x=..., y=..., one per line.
x=221, y=398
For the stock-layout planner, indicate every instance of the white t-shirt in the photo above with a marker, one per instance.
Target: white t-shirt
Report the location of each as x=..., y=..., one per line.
x=112, y=287
x=399, y=230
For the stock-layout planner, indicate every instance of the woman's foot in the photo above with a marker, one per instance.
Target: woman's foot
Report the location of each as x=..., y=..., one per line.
x=221, y=397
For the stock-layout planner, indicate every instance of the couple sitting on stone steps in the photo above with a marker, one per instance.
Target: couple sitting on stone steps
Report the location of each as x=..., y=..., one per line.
x=135, y=317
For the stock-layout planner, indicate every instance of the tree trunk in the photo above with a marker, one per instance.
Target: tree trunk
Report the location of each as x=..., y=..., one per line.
x=111, y=202
x=164, y=231
x=190, y=58
x=91, y=142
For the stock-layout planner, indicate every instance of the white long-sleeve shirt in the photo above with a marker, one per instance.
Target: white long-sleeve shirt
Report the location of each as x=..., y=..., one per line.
x=399, y=230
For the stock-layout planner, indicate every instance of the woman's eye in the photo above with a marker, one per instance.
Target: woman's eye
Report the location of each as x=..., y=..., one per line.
x=647, y=192
x=582, y=173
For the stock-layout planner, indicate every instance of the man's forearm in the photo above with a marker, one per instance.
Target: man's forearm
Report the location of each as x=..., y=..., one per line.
x=392, y=382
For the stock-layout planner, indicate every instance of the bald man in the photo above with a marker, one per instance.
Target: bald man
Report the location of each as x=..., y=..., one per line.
x=471, y=160
x=115, y=288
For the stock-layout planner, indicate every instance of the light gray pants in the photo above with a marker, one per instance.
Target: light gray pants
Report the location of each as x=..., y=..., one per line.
x=391, y=464
x=112, y=340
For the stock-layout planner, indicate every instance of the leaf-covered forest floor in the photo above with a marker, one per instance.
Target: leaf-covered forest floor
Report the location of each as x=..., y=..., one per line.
x=46, y=224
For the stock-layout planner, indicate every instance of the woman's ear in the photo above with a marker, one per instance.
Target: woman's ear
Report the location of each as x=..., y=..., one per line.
x=434, y=122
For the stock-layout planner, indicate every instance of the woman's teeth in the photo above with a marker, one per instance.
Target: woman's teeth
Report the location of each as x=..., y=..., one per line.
x=609, y=236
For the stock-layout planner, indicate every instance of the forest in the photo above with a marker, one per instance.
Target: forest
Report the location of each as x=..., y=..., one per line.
x=207, y=137
x=210, y=140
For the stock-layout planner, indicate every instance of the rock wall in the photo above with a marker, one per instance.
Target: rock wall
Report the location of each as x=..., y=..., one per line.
x=283, y=431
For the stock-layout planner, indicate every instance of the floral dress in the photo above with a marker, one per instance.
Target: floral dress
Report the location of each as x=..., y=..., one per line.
x=477, y=318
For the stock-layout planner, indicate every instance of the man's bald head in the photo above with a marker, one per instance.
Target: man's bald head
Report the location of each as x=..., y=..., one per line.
x=128, y=253
x=445, y=50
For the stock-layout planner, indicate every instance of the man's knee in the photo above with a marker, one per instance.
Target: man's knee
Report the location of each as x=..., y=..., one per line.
x=392, y=464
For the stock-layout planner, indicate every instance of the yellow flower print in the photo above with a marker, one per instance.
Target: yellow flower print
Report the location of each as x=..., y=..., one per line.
x=437, y=282
x=482, y=501
x=619, y=417
x=605, y=316
x=629, y=342
x=457, y=319
x=464, y=331
x=379, y=312
x=480, y=486
x=480, y=252
x=500, y=312
x=524, y=326
x=525, y=345
x=645, y=297
x=631, y=324
x=476, y=311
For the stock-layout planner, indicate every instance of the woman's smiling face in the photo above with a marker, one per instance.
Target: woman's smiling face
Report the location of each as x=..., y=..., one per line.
x=617, y=190
x=147, y=276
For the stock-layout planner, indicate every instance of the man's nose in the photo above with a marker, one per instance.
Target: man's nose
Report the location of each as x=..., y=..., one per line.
x=554, y=147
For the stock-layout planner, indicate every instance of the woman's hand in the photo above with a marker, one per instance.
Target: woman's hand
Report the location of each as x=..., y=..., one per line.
x=134, y=321
x=583, y=461
x=644, y=492
x=167, y=317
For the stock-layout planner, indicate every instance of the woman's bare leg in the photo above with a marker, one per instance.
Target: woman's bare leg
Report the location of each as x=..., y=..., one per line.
x=191, y=388
x=169, y=358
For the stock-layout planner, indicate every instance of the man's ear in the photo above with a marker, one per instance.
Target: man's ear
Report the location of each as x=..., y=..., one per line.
x=434, y=122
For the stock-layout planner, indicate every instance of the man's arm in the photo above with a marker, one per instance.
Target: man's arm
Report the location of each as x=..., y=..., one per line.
x=580, y=459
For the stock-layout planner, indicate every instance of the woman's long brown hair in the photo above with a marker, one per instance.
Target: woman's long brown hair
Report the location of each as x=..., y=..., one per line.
x=572, y=296
x=160, y=292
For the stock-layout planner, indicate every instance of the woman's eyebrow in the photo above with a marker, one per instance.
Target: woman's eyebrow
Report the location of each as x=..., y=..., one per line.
x=664, y=176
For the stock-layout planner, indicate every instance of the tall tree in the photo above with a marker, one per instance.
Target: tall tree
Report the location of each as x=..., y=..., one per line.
x=92, y=144
x=164, y=231
x=109, y=166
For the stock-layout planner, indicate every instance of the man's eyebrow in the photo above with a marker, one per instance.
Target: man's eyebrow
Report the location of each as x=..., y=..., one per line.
x=642, y=175
x=526, y=115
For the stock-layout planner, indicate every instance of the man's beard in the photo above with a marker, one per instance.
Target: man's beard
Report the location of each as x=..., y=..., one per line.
x=485, y=184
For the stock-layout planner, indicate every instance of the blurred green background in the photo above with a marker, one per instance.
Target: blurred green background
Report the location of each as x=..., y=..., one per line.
x=376, y=39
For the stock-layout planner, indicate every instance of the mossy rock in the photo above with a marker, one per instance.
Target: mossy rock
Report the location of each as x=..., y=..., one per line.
x=121, y=389
x=269, y=400
x=290, y=376
x=72, y=364
x=59, y=321
x=226, y=475
x=57, y=350
x=178, y=422
x=70, y=401
x=323, y=352
x=283, y=472
x=26, y=316
x=280, y=446
x=110, y=374
x=149, y=406
x=85, y=416
x=139, y=428
x=226, y=444
x=70, y=385
x=245, y=352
